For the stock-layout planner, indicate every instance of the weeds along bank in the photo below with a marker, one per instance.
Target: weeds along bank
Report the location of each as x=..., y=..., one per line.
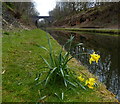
x=23, y=66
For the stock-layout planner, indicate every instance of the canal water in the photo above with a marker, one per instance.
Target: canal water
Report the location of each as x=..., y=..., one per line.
x=107, y=46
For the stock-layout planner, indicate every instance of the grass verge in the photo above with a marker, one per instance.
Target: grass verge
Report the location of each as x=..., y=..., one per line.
x=114, y=32
x=21, y=63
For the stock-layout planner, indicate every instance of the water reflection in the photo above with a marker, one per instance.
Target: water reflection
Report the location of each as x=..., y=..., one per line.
x=108, y=68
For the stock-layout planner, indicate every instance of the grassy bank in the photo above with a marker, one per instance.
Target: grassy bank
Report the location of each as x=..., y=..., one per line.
x=21, y=63
x=107, y=31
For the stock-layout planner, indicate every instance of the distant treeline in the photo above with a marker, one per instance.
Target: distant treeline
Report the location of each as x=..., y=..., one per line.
x=63, y=9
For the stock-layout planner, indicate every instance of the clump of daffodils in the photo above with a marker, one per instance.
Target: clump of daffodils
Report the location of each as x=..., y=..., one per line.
x=94, y=58
x=89, y=82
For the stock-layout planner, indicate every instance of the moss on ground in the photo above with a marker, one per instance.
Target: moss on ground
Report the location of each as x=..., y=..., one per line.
x=21, y=63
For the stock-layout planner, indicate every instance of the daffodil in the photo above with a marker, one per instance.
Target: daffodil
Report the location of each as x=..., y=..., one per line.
x=90, y=82
x=94, y=57
x=81, y=78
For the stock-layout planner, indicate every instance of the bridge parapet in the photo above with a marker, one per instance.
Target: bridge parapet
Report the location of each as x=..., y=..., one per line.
x=44, y=17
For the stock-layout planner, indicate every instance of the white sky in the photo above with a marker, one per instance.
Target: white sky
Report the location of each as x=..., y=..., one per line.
x=44, y=6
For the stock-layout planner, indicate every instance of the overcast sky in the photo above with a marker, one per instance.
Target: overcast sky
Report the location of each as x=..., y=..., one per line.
x=44, y=6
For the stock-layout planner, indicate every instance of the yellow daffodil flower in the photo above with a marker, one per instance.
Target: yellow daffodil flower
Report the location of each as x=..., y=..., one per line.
x=81, y=78
x=94, y=57
x=90, y=82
